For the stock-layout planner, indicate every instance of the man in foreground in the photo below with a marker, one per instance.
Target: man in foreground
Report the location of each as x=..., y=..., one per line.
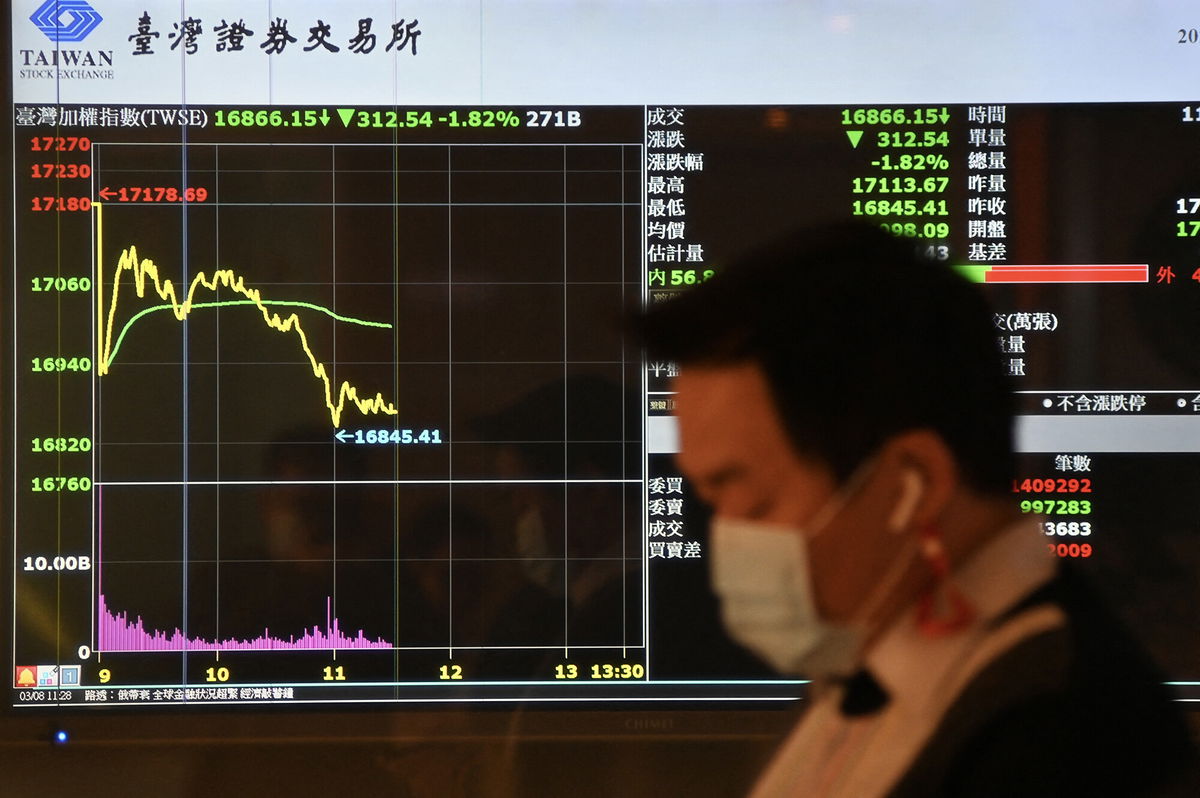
x=842, y=408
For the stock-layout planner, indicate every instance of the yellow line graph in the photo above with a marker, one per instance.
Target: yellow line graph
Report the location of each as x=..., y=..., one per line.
x=144, y=270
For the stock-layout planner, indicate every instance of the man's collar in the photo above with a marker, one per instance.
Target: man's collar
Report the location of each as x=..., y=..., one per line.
x=1006, y=569
x=993, y=580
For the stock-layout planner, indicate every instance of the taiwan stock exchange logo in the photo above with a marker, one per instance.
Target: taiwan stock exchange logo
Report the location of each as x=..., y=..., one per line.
x=66, y=20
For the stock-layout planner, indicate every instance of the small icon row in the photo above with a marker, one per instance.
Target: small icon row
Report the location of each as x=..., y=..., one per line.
x=47, y=676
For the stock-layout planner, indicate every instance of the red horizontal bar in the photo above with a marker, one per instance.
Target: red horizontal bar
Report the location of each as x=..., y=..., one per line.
x=1116, y=273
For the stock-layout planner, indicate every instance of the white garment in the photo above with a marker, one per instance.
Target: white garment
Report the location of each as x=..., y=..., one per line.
x=831, y=755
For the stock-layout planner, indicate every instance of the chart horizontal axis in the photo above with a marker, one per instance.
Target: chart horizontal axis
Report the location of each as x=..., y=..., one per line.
x=253, y=482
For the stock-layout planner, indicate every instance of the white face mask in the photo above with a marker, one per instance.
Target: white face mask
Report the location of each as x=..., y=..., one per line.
x=762, y=574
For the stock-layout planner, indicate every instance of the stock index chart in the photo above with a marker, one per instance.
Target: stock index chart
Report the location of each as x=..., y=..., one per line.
x=326, y=400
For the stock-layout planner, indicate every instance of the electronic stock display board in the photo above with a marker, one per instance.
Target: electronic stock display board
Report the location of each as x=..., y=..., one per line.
x=316, y=388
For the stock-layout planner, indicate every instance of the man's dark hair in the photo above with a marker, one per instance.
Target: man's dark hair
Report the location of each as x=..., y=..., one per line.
x=860, y=338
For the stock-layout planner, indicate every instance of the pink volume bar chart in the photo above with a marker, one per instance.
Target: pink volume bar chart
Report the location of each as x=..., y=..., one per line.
x=117, y=633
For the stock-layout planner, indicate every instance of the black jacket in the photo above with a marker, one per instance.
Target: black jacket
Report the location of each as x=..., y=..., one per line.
x=1076, y=711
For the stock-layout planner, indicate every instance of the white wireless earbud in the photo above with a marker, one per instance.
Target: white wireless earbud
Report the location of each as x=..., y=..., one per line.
x=912, y=489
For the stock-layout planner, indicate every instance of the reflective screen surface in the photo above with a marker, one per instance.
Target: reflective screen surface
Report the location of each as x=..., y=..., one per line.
x=319, y=391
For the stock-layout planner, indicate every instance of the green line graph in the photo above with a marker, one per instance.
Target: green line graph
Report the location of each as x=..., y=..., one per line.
x=234, y=302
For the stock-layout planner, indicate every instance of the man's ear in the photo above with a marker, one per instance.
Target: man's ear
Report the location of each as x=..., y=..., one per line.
x=912, y=488
x=928, y=477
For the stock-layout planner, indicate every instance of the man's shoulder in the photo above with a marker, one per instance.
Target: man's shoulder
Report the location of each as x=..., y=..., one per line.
x=1071, y=709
